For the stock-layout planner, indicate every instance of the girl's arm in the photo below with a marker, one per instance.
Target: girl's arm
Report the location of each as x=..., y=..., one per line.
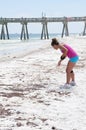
x=65, y=50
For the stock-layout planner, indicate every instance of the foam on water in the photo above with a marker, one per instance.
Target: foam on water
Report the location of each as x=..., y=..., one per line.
x=18, y=47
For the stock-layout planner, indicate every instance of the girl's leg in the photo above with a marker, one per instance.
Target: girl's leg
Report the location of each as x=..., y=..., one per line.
x=70, y=67
x=72, y=76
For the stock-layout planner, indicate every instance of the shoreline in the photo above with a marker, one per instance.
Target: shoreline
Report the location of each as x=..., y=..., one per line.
x=23, y=52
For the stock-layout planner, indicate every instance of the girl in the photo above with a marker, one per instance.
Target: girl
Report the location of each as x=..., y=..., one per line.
x=73, y=58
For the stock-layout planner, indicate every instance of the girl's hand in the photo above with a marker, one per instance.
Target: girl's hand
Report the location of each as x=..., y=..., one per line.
x=59, y=63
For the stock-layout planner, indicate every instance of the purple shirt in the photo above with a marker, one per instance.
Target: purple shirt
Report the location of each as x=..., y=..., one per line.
x=71, y=53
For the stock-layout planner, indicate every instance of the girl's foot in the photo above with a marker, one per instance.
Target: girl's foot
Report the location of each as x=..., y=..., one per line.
x=66, y=86
x=72, y=83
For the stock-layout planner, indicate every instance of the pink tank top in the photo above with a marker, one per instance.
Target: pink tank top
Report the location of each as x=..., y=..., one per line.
x=71, y=53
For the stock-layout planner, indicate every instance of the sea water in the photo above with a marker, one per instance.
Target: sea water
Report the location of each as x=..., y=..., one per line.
x=33, y=36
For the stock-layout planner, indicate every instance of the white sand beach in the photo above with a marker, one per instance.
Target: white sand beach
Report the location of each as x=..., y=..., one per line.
x=28, y=82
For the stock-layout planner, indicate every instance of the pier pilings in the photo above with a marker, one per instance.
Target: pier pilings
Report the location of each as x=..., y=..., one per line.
x=4, y=32
x=24, y=32
x=44, y=34
x=84, y=32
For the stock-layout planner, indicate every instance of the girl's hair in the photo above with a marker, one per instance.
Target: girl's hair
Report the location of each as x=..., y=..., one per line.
x=54, y=42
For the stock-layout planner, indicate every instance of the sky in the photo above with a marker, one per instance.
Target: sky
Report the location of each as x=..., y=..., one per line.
x=52, y=8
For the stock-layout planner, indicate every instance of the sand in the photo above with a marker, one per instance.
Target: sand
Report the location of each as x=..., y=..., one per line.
x=28, y=96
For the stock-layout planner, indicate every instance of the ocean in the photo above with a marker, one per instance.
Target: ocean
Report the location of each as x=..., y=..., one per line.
x=34, y=36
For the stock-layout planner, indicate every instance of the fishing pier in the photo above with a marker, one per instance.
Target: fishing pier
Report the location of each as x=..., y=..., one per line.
x=4, y=32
